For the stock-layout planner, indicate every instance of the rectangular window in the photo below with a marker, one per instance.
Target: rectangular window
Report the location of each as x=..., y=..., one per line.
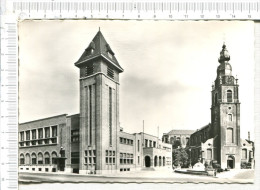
x=90, y=114
x=146, y=143
x=110, y=72
x=74, y=160
x=154, y=144
x=229, y=117
x=121, y=140
x=244, y=154
x=34, y=134
x=74, y=132
x=21, y=136
x=89, y=69
x=21, y=160
x=47, y=132
x=40, y=133
x=229, y=96
x=230, y=138
x=33, y=160
x=209, y=154
x=138, y=159
x=150, y=143
x=75, y=139
x=47, y=160
x=110, y=116
x=138, y=145
x=75, y=154
x=27, y=135
x=54, y=131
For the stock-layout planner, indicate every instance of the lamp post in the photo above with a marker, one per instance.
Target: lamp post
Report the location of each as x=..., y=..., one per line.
x=190, y=158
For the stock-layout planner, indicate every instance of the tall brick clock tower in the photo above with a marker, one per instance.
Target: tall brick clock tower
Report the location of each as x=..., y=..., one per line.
x=225, y=114
x=99, y=107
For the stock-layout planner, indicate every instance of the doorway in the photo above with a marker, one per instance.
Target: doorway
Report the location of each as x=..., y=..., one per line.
x=231, y=162
x=147, y=161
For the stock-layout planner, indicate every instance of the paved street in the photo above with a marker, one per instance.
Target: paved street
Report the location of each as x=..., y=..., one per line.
x=233, y=176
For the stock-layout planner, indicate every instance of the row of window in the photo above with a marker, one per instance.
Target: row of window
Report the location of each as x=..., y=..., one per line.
x=52, y=140
x=150, y=143
x=126, y=141
x=182, y=140
x=90, y=160
x=209, y=155
x=124, y=169
x=244, y=154
x=40, y=158
x=126, y=158
x=110, y=157
x=89, y=70
x=40, y=169
x=74, y=135
x=203, y=136
x=40, y=133
x=90, y=153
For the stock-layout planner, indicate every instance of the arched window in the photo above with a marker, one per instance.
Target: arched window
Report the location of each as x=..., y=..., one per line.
x=230, y=117
x=230, y=138
x=229, y=96
x=171, y=140
x=244, y=153
x=34, y=159
x=21, y=159
x=187, y=140
x=27, y=159
x=53, y=157
x=40, y=158
x=47, y=158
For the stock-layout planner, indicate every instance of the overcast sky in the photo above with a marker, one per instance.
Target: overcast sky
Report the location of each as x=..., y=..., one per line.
x=169, y=68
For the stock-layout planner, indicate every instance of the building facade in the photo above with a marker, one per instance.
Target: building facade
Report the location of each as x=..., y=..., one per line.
x=178, y=137
x=92, y=141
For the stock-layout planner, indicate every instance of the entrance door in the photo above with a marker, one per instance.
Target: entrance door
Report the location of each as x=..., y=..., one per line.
x=147, y=161
x=61, y=164
x=231, y=162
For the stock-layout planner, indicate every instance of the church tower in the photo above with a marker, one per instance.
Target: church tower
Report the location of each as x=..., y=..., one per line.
x=99, y=107
x=225, y=114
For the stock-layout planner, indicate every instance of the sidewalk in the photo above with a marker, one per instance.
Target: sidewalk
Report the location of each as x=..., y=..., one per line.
x=231, y=174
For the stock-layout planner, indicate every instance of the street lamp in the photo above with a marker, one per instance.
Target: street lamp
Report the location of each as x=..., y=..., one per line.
x=190, y=158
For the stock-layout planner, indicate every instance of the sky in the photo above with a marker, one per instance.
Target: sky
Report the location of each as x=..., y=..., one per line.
x=169, y=67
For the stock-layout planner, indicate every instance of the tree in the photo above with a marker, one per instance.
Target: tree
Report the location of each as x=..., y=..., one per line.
x=176, y=144
x=180, y=157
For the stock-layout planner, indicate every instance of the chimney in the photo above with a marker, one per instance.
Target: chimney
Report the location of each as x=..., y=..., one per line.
x=248, y=135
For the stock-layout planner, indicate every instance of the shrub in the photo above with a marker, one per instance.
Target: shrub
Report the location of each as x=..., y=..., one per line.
x=243, y=165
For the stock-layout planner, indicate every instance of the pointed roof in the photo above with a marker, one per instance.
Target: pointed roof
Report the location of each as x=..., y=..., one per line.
x=99, y=47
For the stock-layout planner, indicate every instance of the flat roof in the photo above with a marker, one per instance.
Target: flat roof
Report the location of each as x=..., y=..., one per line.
x=43, y=119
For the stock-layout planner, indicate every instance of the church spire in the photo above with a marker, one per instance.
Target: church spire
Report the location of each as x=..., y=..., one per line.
x=224, y=55
x=224, y=69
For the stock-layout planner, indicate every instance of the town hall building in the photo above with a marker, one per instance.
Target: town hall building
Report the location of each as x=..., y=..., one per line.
x=91, y=142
